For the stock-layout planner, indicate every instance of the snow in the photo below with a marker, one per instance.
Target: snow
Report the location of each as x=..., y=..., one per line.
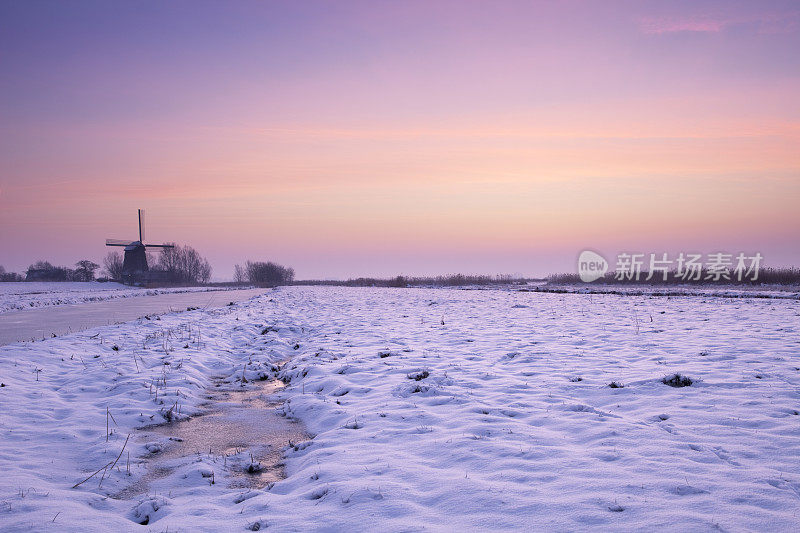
x=25, y=295
x=430, y=409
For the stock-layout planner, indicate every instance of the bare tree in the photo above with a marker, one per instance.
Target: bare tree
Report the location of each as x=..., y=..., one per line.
x=204, y=271
x=239, y=274
x=113, y=265
x=169, y=260
x=85, y=270
x=184, y=264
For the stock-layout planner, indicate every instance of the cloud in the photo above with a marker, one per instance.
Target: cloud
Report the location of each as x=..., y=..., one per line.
x=767, y=23
x=660, y=26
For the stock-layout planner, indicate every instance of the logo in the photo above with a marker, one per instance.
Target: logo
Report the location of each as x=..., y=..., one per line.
x=591, y=266
x=686, y=267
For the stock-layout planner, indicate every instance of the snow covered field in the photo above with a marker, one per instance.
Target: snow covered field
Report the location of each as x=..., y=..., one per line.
x=430, y=409
x=26, y=295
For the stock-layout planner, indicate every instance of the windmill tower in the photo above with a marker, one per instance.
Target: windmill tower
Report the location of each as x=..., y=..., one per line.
x=134, y=266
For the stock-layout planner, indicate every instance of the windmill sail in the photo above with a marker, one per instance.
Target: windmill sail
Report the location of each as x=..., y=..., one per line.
x=141, y=225
x=117, y=242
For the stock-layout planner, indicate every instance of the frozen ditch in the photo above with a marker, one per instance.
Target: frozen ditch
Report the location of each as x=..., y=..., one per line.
x=238, y=441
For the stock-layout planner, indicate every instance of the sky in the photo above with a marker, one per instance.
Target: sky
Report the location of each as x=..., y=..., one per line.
x=389, y=137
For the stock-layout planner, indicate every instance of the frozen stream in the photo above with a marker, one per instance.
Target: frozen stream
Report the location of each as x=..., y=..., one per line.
x=36, y=324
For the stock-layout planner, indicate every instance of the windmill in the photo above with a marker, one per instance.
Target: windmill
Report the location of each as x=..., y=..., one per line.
x=134, y=265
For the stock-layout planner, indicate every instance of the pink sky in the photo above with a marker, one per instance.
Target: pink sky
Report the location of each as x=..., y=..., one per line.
x=378, y=138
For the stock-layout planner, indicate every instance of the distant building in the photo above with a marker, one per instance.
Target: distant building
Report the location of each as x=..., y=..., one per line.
x=46, y=274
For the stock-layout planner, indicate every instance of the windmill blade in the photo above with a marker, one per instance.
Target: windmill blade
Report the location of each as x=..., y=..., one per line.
x=159, y=246
x=141, y=225
x=117, y=242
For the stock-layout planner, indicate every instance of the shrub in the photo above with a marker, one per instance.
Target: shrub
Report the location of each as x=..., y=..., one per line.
x=676, y=380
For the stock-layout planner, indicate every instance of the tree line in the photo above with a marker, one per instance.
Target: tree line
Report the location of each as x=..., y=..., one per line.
x=181, y=264
x=766, y=276
x=45, y=271
x=449, y=280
